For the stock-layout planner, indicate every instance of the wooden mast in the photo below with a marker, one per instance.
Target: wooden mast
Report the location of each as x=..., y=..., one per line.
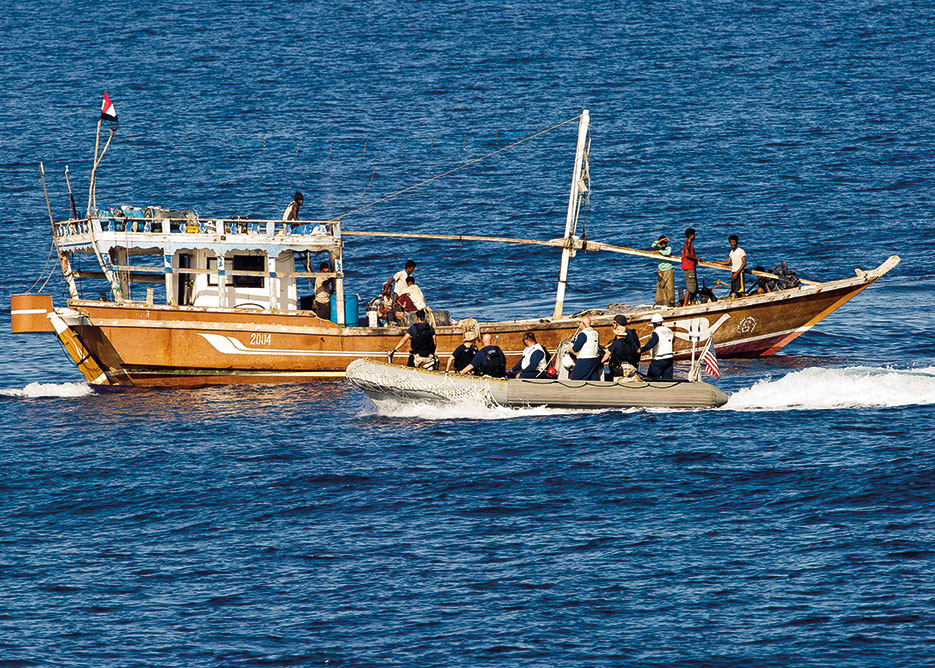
x=571, y=218
x=574, y=243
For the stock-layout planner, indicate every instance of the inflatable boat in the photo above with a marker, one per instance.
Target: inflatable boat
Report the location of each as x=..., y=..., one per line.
x=383, y=381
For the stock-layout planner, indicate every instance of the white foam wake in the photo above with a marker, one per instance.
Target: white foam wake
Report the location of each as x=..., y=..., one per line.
x=458, y=410
x=36, y=390
x=466, y=409
x=849, y=387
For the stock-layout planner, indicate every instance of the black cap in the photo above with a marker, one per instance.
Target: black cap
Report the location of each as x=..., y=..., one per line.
x=298, y=196
x=620, y=319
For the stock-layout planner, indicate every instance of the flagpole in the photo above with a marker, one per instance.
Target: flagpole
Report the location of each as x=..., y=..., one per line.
x=694, y=345
x=71, y=198
x=703, y=351
x=97, y=143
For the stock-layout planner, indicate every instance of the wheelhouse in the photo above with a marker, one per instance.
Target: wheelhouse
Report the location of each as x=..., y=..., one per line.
x=154, y=255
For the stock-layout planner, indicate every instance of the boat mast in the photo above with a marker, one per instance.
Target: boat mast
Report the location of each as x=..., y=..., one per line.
x=571, y=218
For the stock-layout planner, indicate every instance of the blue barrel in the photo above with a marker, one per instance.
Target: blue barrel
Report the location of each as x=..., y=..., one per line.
x=351, y=310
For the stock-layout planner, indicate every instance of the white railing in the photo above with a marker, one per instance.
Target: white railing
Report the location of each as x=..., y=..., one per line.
x=216, y=227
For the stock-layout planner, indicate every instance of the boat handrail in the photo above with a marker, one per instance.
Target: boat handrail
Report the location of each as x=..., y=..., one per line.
x=146, y=226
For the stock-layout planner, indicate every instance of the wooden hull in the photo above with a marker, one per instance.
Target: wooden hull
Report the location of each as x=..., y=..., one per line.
x=171, y=346
x=382, y=381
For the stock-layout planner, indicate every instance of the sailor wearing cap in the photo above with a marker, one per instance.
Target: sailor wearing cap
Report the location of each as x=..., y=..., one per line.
x=464, y=353
x=665, y=277
x=623, y=353
x=660, y=342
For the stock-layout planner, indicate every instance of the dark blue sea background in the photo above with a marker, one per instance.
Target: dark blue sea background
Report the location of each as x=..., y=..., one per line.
x=301, y=525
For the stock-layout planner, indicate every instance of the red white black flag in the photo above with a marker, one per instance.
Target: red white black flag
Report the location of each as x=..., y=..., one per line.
x=107, y=110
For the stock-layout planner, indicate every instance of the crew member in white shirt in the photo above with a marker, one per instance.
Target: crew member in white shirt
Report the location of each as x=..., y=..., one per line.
x=292, y=211
x=414, y=292
x=399, y=278
x=737, y=261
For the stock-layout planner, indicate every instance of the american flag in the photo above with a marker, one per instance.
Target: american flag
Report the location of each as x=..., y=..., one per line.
x=709, y=359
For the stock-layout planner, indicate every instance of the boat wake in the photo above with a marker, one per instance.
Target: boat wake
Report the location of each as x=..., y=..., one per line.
x=849, y=387
x=41, y=390
x=460, y=410
x=466, y=409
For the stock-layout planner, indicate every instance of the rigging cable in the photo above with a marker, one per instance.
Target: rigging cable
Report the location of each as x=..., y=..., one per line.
x=42, y=273
x=451, y=171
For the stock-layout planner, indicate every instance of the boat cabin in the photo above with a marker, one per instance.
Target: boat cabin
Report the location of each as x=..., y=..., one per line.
x=156, y=255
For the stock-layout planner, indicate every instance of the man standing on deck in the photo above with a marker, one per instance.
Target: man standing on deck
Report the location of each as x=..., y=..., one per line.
x=323, y=288
x=689, y=263
x=422, y=336
x=399, y=278
x=665, y=277
x=292, y=211
x=489, y=360
x=587, y=352
x=737, y=261
x=660, y=342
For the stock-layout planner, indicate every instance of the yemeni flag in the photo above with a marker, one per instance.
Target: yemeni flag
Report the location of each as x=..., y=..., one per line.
x=107, y=110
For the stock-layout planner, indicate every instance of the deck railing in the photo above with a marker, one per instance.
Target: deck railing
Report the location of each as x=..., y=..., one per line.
x=216, y=227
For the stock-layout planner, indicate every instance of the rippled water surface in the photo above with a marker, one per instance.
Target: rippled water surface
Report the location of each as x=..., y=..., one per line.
x=304, y=525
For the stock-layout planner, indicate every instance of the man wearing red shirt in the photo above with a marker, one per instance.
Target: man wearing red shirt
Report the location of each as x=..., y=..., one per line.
x=689, y=262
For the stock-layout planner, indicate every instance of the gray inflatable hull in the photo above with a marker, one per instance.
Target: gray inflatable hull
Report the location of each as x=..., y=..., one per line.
x=382, y=381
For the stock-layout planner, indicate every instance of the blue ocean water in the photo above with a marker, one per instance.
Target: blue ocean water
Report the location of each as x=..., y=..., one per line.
x=302, y=525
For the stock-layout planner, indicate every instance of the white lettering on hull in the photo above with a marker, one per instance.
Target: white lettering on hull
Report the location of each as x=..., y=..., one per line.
x=229, y=345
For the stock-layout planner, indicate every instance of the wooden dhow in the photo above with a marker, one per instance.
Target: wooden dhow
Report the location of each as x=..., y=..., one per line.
x=228, y=309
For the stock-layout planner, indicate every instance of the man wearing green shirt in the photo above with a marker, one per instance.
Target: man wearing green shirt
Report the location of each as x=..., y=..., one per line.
x=665, y=277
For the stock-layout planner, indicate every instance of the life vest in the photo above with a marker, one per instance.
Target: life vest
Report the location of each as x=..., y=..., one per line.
x=623, y=352
x=527, y=357
x=463, y=356
x=663, y=348
x=422, y=343
x=591, y=344
x=495, y=362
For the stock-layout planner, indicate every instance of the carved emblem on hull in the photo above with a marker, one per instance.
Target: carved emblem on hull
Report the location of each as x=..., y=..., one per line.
x=747, y=325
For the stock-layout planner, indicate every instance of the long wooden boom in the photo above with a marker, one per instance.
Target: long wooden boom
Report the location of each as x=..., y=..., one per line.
x=575, y=243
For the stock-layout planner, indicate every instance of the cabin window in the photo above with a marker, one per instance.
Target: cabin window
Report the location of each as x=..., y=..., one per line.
x=249, y=263
x=212, y=266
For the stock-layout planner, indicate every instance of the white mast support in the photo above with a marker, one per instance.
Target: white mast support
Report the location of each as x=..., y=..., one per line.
x=270, y=277
x=63, y=259
x=571, y=219
x=338, y=268
x=222, y=281
x=167, y=269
